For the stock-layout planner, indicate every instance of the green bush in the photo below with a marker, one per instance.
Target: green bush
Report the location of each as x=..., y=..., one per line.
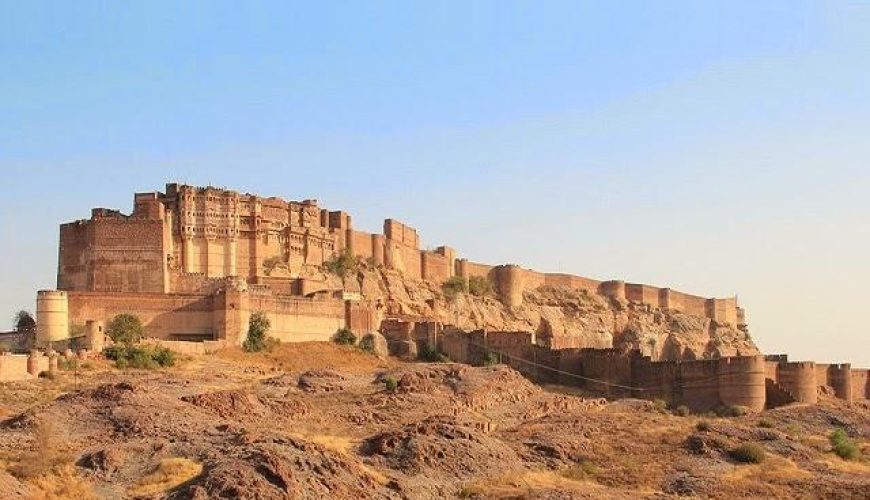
x=258, y=328
x=682, y=411
x=431, y=354
x=343, y=265
x=367, y=344
x=491, y=359
x=344, y=337
x=479, y=286
x=67, y=364
x=391, y=384
x=125, y=329
x=748, y=453
x=140, y=357
x=660, y=405
x=454, y=287
x=844, y=447
x=703, y=426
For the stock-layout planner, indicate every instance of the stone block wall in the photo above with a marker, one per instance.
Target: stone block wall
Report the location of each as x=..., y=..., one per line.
x=113, y=253
x=860, y=385
x=702, y=385
x=15, y=367
x=799, y=379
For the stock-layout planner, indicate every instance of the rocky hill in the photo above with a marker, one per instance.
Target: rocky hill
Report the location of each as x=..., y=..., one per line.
x=318, y=420
x=567, y=317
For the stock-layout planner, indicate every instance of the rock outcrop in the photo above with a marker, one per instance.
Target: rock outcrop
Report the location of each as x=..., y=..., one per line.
x=561, y=316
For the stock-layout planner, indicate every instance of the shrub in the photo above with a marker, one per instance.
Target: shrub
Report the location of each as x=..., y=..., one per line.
x=344, y=337
x=733, y=411
x=844, y=447
x=582, y=471
x=431, y=354
x=491, y=359
x=748, y=453
x=391, y=384
x=164, y=357
x=703, y=426
x=125, y=329
x=258, y=328
x=140, y=357
x=454, y=287
x=766, y=423
x=479, y=286
x=682, y=411
x=272, y=263
x=67, y=364
x=660, y=405
x=343, y=265
x=367, y=344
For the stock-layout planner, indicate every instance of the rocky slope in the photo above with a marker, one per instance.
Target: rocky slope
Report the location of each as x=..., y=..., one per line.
x=571, y=318
x=316, y=420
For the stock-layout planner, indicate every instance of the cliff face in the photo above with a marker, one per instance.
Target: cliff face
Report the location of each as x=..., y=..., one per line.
x=561, y=316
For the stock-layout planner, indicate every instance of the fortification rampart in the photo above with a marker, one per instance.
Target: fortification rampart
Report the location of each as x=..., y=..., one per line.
x=799, y=379
x=860, y=384
x=702, y=384
x=222, y=315
x=748, y=381
x=188, y=239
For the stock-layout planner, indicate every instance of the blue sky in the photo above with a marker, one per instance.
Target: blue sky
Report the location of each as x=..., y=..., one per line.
x=718, y=148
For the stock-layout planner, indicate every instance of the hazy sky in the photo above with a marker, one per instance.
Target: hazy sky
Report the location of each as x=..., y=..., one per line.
x=718, y=148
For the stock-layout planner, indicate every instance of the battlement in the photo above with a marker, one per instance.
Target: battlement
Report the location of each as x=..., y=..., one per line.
x=187, y=231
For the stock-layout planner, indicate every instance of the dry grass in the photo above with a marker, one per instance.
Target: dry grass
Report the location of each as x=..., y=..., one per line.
x=775, y=469
x=338, y=444
x=818, y=443
x=62, y=483
x=301, y=356
x=524, y=484
x=847, y=466
x=171, y=472
x=376, y=475
x=584, y=471
x=46, y=455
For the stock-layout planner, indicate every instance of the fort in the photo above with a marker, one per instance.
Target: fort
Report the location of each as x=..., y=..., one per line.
x=195, y=262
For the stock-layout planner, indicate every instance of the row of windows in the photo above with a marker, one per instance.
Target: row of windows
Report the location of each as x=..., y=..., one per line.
x=209, y=214
x=210, y=230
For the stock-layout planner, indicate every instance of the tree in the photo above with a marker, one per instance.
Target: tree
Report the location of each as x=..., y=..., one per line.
x=258, y=328
x=125, y=329
x=23, y=320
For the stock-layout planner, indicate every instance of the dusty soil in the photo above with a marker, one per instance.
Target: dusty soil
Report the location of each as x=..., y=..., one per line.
x=315, y=421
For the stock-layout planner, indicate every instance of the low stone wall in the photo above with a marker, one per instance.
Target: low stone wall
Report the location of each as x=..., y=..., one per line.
x=13, y=367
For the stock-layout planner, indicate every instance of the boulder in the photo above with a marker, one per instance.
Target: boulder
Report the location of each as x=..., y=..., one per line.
x=375, y=343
